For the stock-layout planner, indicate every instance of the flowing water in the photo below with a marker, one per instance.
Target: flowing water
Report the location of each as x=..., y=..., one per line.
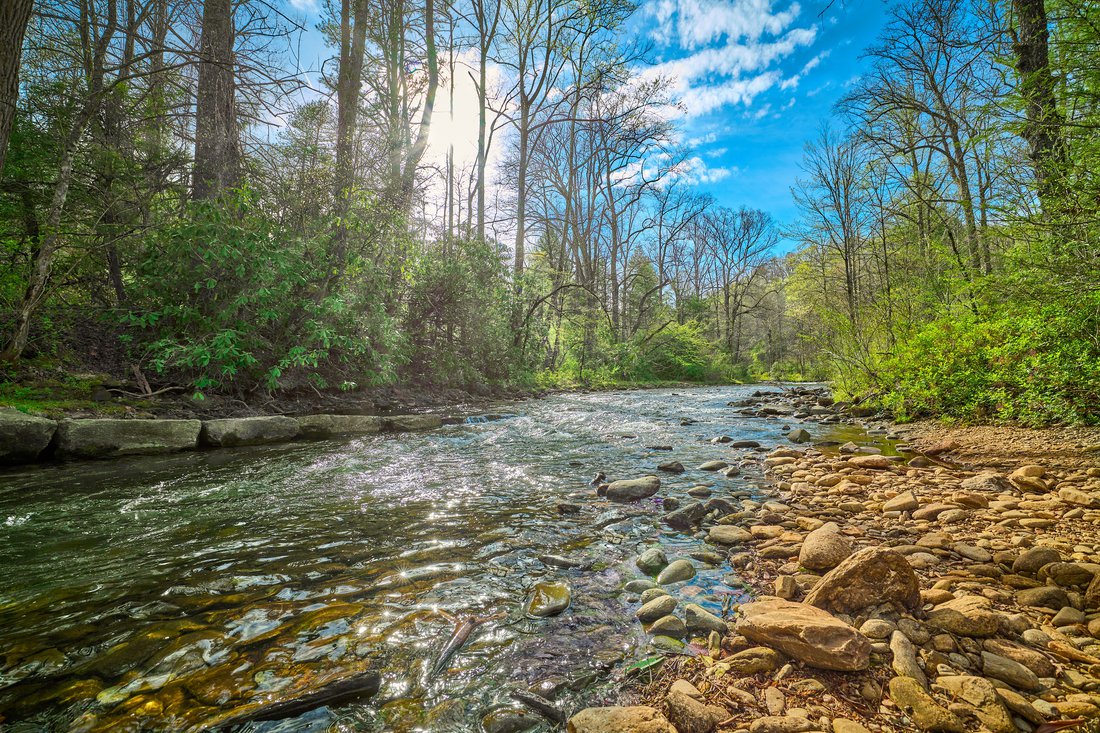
x=167, y=593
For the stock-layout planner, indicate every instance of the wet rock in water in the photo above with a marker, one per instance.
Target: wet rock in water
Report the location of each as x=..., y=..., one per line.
x=966, y=616
x=676, y=572
x=548, y=599
x=805, y=633
x=238, y=431
x=406, y=423
x=639, y=585
x=824, y=549
x=672, y=467
x=652, y=561
x=745, y=444
x=633, y=489
x=670, y=503
x=557, y=561
x=23, y=437
x=669, y=626
x=700, y=492
x=655, y=609
x=798, y=435
x=701, y=621
x=922, y=709
x=686, y=517
x=728, y=534
x=713, y=466
x=111, y=438
x=981, y=695
x=870, y=577
x=317, y=427
x=692, y=716
x=635, y=719
x=510, y=721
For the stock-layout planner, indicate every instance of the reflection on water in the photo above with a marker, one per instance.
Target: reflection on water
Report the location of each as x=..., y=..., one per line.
x=174, y=593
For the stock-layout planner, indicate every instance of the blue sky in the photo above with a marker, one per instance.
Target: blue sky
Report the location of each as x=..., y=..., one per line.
x=756, y=78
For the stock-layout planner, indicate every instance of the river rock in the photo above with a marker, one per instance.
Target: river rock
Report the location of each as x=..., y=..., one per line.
x=870, y=577
x=686, y=517
x=676, y=572
x=1033, y=660
x=1079, y=497
x=96, y=438
x=805, y=633
x=234, y=431
x=903, y=502
x=1012, y=672
x=655, y=609
x=1092, y=593
x=824, y=549
x=713, y=466
x=692, y=716
x=755, y=660
x=23, y=437
x=319, y=427
x=728, y=534
x=980, y=694
x=783, y=724
x=669, y=626
x=922, y=709
x=1066, y=573
x=1045, y=596
x=905, y=658
x=1030, y=561
x=548, y=599
x=966, y=616
x=798, y=435
x=672, y=467
x=407, y=423
x=652, y=561
x=509, y=720
x=633, y=489
x=877, y=462
x=635, y=719
x=698, y=620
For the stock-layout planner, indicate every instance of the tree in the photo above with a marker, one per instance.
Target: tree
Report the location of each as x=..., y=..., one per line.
x=217, y=140
x=14, y=16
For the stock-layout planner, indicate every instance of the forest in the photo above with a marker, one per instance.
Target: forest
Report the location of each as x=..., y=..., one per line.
x=180, y=207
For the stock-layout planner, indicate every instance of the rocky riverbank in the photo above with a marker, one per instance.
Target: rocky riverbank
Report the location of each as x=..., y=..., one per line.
x=950, y=582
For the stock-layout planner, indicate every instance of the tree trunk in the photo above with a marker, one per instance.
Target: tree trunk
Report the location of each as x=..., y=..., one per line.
x=14, y=16
x=217, y=146
x=352, y=44
x=521, y=186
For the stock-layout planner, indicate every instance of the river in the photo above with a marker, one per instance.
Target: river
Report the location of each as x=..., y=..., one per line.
x=163, y=593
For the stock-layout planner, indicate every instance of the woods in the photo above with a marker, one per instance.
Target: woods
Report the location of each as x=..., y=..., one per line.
x=185, y=205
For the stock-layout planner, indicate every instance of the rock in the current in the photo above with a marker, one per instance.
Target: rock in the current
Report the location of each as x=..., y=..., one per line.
x=655, y=609
x=635, y=719
x=713, y=466
x=235, y=431
x=926, y=714
x=509, y=720
x=805, y=633
x=633, y=489
x=406, y=423
x=319, y=427
x=870, y=577
x=966, y=616
x=728, y=534
x=798, y=435
x=109, y=438
x=652, y=561
x=980, y=694
x=671, y=467
x=676, y=572
x=23, y=437
x=692, y=716
x=824, y=549
x=903, y=502
x=1045, y=596
x=548, y=599
x=701, y=621
x=687, y=516
x=669, y=626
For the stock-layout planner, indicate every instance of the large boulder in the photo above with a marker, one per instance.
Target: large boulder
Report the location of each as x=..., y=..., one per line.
x=23, y=437
x=805, y=633
x=233, y=431
x=635, y=719
x=406, y=423
x=318, y=427
x=633, y=489
x=824, y=549
x=110, y=438
x=870, y=577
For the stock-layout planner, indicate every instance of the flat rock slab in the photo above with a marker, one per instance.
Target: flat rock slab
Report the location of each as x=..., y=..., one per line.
x=805, y=633
x=318, y=427
x=234, y=431
x=94, y=438
x=23, y=437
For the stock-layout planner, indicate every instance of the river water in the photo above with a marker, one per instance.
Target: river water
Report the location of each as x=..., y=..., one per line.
x=166, y=593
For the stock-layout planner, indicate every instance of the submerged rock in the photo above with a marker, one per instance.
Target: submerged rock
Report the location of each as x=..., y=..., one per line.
x=548, y=599
x=652, y=561
x=677, y=571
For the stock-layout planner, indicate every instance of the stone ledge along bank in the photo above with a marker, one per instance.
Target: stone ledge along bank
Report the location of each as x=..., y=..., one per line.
x=29, y=439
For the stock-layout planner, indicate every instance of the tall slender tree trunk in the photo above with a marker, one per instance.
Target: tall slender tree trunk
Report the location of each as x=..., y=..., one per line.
x=353, y=35
x=14, y=16
x=217, y=143
x=521, y=185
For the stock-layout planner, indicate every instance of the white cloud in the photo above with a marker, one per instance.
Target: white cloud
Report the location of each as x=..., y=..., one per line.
x=695, y=171
x=307, y=6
